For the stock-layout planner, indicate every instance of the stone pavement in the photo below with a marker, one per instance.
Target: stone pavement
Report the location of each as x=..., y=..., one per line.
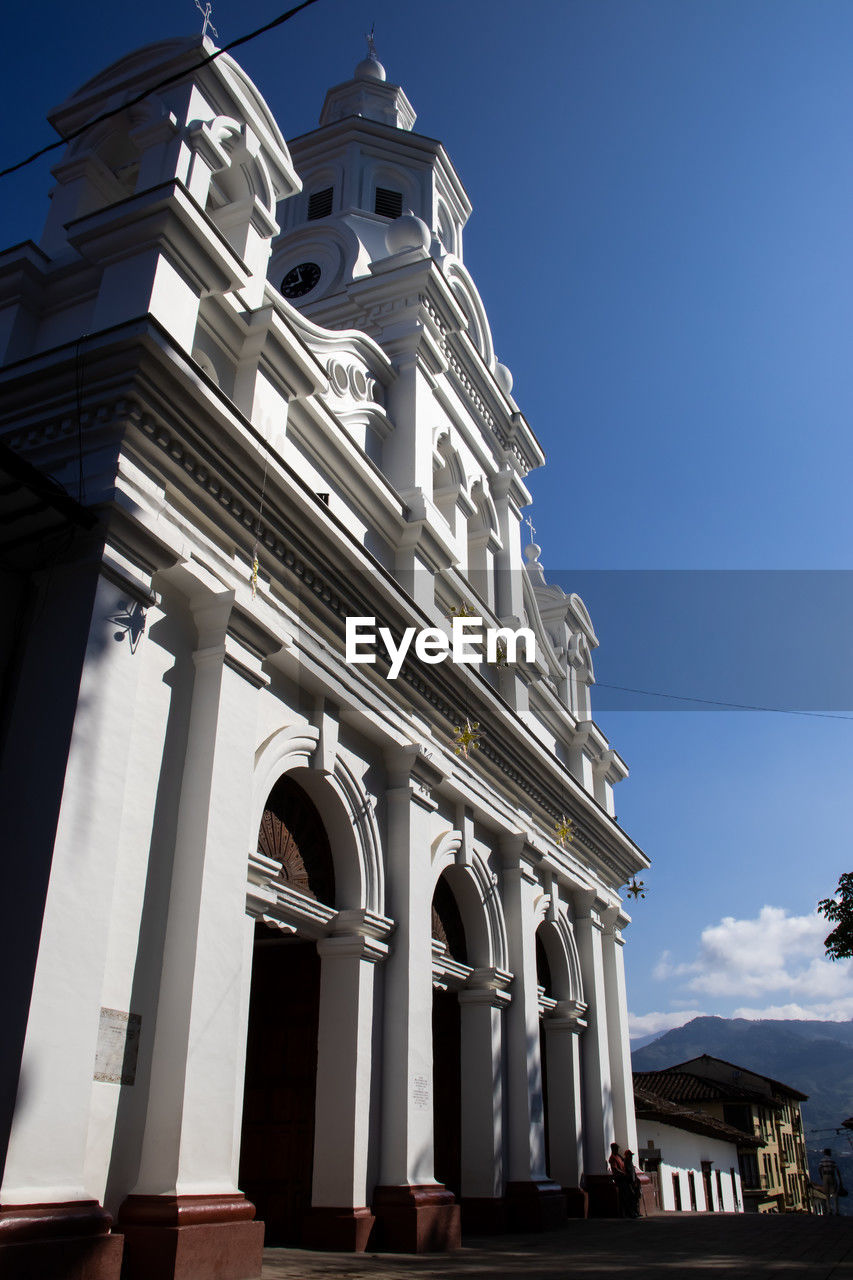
x=795, y=1247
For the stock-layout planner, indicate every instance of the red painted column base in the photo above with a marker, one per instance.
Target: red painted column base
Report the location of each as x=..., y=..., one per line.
x=577, y=1202
x=337, y=1230
x=537, y=1205
x=191, y=1238
x=69, y=1241
x=423, y=1219
x=483, y=1215
x=603, y=1196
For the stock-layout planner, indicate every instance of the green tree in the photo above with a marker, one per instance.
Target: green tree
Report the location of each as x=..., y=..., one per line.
x=839, y=943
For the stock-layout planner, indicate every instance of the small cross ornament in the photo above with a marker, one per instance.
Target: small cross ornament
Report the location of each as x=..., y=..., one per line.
x=205, y=13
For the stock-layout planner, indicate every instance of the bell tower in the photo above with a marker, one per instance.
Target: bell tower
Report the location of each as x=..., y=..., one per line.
x=362, y=169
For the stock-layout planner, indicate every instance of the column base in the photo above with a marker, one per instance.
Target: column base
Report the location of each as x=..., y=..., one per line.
x=337, y=1230
x=537, y=1205
x=577, y=1202
x=603, y=1196
x=191, y=1238
x=422, y=1219
x=483, y=1215
x=69, y=1241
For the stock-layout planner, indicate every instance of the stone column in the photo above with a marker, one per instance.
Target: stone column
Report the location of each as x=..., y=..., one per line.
x=339, y=1218
x=49, y=1222
x=565, y=1131
x=595, y=1052
x=621, y=1076
x=186, y=1213
x=414, y=1213
x=481, y=1006
x=534, y=1201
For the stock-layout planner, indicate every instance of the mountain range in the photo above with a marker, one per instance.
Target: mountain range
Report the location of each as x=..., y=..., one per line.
x=814, y=1057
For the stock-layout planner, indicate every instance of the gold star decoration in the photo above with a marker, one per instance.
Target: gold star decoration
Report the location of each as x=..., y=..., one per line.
x=254, y=578
x=466, y=737
x=461, y=611
x=636, y=888
x=563, y=832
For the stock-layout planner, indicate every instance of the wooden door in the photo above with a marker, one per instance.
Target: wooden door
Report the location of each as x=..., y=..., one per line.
x=277, y=1153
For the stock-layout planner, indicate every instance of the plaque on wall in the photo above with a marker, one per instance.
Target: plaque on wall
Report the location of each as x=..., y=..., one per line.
x=421, y=1093
x=118, y=1047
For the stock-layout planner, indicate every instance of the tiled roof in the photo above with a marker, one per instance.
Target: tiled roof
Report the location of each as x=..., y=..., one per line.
x=651, y=1106
x=683, y=1086
x=777, y=1084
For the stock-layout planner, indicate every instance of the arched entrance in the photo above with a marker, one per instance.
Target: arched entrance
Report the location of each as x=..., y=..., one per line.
x=277, y=1151
x=448, y=936
x=545, y=984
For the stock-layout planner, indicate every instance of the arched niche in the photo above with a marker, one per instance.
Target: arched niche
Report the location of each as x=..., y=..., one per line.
x=556, y=952
x=292, y=834
x=476, y=895
x=347, y=814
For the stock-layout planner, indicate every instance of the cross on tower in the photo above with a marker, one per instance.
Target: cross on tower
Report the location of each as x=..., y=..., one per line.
x=371, y=46
x=529, y=523
x=205, y=13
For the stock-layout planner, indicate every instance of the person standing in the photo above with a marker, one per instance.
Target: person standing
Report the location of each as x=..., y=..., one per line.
x=830, y=1176
x=632, y=1189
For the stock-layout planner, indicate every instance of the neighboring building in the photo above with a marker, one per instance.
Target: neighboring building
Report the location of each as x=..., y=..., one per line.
x=775, y=1178
x=692, y=1158
x=286, y=934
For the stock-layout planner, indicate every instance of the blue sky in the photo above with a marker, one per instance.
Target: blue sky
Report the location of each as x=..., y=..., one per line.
x=662, y=236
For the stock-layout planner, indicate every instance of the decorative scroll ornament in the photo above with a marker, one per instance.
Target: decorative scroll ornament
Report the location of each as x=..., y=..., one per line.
x=563, y=832
x=466, y=737
x=636, y=888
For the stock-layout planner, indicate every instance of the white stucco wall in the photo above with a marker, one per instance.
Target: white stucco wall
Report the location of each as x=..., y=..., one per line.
x=681, y=1152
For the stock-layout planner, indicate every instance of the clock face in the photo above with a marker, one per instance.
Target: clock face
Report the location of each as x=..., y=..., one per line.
x=300, y=280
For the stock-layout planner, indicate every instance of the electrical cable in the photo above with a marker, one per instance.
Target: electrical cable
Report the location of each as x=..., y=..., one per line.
x=154, y=88
x=714, y=702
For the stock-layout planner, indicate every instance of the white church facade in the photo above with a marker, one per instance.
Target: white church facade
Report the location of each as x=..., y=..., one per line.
x=289, y=946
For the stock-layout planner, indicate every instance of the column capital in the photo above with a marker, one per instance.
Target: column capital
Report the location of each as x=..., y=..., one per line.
x=567, y=1015
x=614, y=920
x=415, y=768
x=488, y=986
x=353, y=946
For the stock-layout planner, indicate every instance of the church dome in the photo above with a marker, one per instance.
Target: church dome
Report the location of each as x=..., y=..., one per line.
x=369, y=69
x=407, y=232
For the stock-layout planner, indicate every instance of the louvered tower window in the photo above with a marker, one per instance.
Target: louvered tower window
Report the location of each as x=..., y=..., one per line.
x=320, y=204
x=388, y=204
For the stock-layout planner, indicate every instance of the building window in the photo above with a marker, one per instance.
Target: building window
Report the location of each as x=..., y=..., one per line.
x=320, y=203
x=388, y=204
x=748, y=1168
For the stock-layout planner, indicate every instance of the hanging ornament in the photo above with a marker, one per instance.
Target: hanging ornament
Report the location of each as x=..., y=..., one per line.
x=563, y=832
x=255, y=566
x=500, y=653
x=636, y=888
x=258, y=526
x=466, y=737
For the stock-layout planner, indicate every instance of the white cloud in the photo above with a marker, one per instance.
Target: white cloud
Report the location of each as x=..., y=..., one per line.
x=647, y=1024
x=773, y=965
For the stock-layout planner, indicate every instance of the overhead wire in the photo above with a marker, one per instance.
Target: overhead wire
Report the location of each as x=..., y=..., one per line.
x=155, y=88
x=714, y=702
